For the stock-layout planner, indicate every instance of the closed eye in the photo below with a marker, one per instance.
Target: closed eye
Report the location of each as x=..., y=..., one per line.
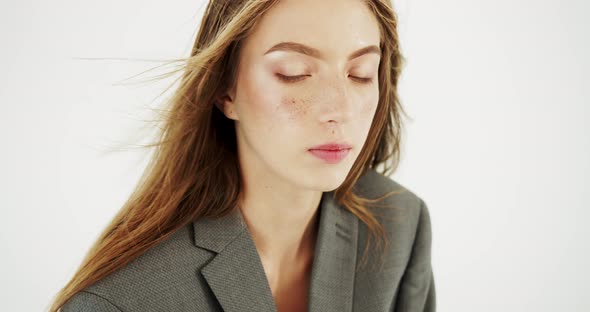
x=291, y=79
x=362, y=80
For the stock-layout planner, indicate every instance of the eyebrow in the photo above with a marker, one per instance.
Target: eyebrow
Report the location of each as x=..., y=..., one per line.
x=307, y=50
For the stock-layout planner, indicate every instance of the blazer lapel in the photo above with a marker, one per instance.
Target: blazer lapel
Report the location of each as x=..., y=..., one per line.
x=332, y=275
x=236, y=275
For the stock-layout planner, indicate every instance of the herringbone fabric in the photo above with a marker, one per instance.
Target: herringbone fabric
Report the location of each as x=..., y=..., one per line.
x=213, y=264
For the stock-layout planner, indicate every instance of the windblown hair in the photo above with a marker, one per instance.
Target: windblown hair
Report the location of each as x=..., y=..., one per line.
x=194, y=171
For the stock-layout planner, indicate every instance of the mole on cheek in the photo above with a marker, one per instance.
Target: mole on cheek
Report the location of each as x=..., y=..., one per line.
x=294, y=107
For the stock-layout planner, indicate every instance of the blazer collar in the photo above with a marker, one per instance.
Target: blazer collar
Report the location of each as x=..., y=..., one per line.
x=236, y=275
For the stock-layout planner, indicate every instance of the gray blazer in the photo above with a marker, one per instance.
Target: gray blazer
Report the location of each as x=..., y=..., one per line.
x=213, y=265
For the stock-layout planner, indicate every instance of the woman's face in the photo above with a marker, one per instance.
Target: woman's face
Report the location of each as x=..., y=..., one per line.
x=331, y=97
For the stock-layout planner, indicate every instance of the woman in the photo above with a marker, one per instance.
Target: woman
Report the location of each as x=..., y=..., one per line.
x=263, y=193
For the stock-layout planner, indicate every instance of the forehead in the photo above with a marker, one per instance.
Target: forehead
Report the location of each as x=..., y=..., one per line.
x=335, y=27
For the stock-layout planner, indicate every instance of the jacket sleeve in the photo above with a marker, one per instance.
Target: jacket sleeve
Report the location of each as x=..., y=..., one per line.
x=85, y=301
x=417, y=291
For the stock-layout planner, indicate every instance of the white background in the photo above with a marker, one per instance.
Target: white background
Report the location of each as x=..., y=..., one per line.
x=498, y=145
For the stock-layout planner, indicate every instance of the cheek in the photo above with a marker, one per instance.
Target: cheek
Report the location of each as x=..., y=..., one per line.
x=274, y=106
x=298, y=105
x=271, y=108
x=294, y=108
x=369, y=104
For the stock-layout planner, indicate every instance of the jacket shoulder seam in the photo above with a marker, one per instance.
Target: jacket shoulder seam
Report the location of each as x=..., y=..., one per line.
x=103, y=298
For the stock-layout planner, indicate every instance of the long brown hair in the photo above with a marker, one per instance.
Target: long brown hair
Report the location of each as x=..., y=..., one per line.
x=194, y=170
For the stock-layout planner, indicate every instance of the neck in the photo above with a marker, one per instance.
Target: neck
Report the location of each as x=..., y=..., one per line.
x=283, y=224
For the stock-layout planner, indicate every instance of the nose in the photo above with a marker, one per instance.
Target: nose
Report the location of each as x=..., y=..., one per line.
x=336, y=101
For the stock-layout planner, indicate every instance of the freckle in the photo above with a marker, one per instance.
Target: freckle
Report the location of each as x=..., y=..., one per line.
x=294, y=107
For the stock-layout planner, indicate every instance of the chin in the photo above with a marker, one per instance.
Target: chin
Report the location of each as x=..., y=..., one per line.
x=325, y=180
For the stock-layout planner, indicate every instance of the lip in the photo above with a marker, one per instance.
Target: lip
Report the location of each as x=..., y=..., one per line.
x=332, y=146
x=332, y=152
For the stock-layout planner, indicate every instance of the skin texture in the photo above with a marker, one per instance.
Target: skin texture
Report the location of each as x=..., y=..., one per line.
x=277, y=122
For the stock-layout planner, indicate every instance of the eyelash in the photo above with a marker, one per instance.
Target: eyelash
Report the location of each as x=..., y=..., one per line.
x=293, y=79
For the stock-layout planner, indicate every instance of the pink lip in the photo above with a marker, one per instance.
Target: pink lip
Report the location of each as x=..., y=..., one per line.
x=332, y=152
x=332, y=146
